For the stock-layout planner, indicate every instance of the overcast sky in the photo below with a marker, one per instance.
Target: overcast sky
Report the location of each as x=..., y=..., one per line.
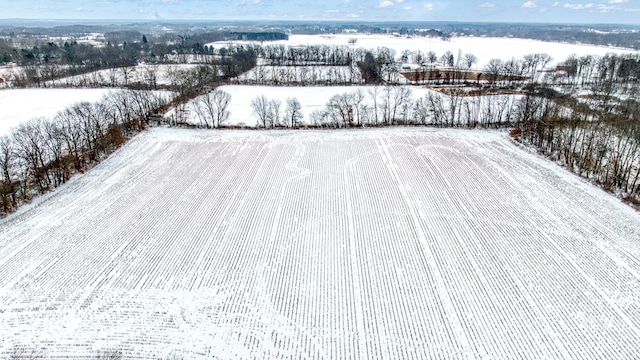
x=594, y=11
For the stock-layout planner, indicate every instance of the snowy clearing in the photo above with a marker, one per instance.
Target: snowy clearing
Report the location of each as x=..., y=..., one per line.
x=160, y=75
x=380, y=243
x=483, y=48
x=21, y=105
x=312, y=98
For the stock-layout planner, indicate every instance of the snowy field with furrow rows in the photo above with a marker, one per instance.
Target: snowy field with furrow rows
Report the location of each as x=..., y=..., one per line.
x=380, y=243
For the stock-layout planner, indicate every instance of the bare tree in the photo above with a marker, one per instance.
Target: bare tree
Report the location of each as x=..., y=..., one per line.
x=7, y=160
x=54, y=145
x=340, y=109
x=436, y=108
x=400, y=100
x=30, y=148
x=211, y=108
x=72, y=134
x=418, y=56
x=493, y=69
x=112, y=75
x=275, y=107
x=513, y=70
x=143, y=106
x=470, y=60
x=432, y=57
x=90, y=122
x=358, y=98
x=120, y=108
x=373, y=94
x=293, y=111
x=126, y=73
x=421, y=111
x=447, y=59
x=260, y=107
x=150, y=76
x=533, y=64
x=221, y=99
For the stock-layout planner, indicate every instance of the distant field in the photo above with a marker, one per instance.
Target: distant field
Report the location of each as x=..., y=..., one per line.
x=382, y=243
x=20, y=105
x=146, y=74
x=484, y=48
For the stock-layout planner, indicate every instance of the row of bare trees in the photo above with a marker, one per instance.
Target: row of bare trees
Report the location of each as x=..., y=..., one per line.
x=303, y=75
x=391, y=105
x=514, y=72
x=604, y=151
x=382, y=66
x=211, y=109
x=43, y=153
x=331, y=55
x=595, y=70
x=270, y=113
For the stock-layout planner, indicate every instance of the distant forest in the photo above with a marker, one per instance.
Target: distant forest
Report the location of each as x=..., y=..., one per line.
x=627, y=36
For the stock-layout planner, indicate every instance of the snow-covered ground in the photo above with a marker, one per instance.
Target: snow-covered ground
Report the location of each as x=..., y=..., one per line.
x=20, y=105
x=312, y=98
x=379, y=243
x=484, y=48
x=145, y=74
x=301, y=75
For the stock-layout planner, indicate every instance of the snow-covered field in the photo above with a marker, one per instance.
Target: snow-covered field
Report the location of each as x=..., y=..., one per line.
x=145, y=74
x=20, y=105
x=301, y=75
x=312, y=98
x=380, y=243
x=483, y=48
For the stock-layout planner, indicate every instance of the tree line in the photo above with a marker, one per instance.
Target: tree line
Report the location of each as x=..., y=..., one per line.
x=44, y=153
x=390, y=105
x=602, y=145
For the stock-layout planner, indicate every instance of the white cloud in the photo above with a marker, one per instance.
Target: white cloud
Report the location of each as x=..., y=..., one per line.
x=407, y=8
x=530, y=4
x=428, y=7
x=487, y=5
x=399, y=1
x=353, y=16
x=385, y=4
x=251, y=2
x=600, y=7
x=607, y=9
x=579, y=6
x=556, y=4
